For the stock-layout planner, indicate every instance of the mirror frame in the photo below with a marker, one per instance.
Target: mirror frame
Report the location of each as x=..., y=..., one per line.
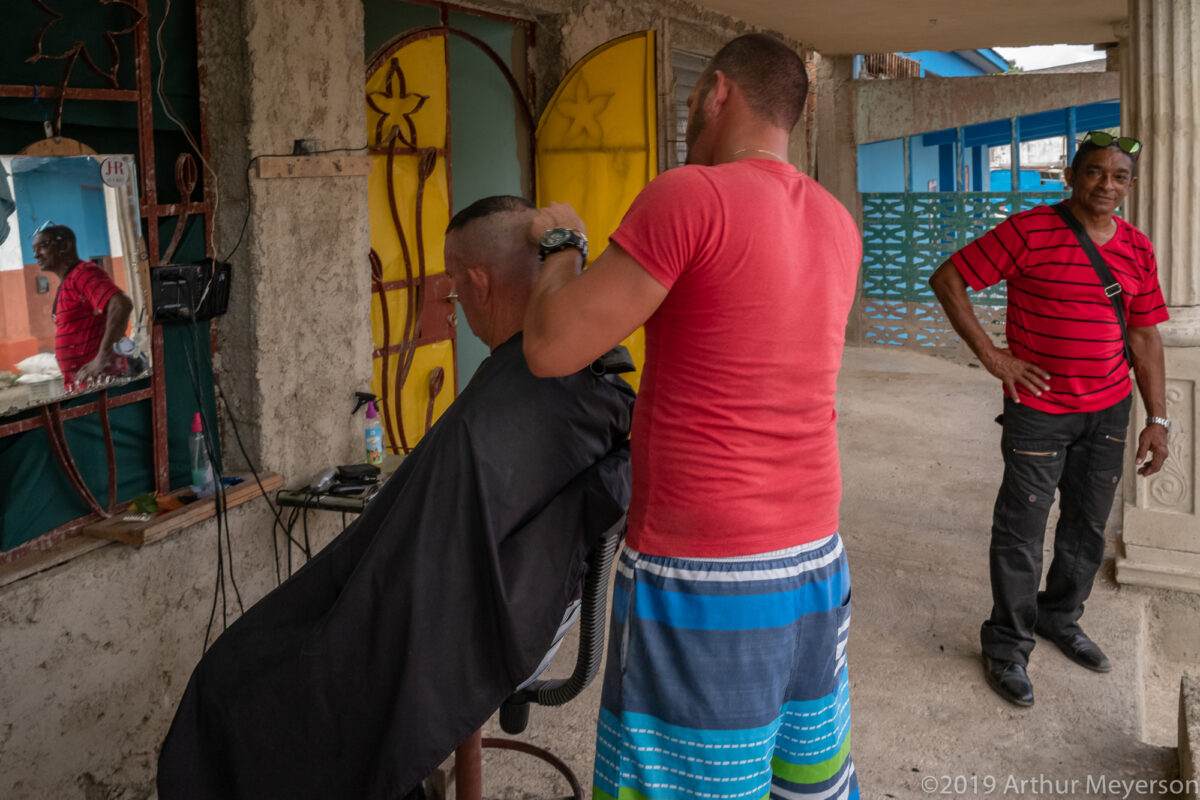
x=137, y=272
x=195, y=198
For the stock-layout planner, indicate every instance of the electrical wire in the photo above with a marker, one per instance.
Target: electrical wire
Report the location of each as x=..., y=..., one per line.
x=209, y=440
x=278, y=525
x=251, y=162
x=169, y=111
x=220, y=501
x=224, y=539
x=304, y=516
x=211, y=447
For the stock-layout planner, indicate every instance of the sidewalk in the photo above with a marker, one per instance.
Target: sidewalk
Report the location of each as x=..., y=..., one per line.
x=921, y=464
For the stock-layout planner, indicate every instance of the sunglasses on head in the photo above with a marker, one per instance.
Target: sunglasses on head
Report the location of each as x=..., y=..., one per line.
x=1127, y=144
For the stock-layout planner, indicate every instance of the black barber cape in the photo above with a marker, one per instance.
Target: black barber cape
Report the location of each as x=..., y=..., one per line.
x=362, y=672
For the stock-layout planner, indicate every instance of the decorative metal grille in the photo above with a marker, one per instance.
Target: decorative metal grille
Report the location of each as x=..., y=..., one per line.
x=908, y=235
x=889, y=65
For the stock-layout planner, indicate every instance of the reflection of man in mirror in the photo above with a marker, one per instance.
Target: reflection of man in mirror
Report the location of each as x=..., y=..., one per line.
x=90, y=311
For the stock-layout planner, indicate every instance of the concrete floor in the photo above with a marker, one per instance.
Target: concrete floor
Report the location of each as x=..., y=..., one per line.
x=921, y=466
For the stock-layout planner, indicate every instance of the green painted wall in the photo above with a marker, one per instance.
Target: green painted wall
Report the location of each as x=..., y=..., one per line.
x=384, y=20
x=487, y=133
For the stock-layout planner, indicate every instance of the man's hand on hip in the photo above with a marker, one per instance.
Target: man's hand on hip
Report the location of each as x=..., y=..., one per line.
x=1153, y=440
x=1014, y=372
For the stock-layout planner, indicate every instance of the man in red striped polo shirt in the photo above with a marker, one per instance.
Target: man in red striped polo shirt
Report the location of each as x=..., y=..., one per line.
x=90, y=312
x=1067, y=399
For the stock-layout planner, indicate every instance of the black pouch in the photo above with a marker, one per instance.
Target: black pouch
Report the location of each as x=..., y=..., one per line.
x=358, y=473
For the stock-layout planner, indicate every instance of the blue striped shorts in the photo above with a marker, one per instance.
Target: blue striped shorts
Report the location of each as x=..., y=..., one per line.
x=726, y=678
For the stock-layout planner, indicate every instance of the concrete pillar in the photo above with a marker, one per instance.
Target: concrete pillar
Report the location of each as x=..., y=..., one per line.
x=1160, y=105
x=296, y=342
x=837, y=150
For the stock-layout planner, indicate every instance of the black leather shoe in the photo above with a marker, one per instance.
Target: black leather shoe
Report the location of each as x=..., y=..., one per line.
x=1079, y=648
x=1009, y=680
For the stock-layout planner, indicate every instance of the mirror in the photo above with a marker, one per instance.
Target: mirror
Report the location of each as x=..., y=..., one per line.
x=73, y=278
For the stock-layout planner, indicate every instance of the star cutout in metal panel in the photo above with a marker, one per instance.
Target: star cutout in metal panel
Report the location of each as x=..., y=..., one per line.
x=583, y=110
x=79, y=49
x=402, y=104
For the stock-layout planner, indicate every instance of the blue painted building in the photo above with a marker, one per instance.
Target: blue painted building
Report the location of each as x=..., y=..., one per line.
x=958, y=63
x=64, y=191
x=929, y=162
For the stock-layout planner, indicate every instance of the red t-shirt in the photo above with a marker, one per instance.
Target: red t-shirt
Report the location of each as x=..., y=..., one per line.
x=79, y=317
x=1058, y=315
x=734, y=430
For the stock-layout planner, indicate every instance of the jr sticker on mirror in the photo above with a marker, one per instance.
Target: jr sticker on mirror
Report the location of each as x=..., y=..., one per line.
x=115, y=172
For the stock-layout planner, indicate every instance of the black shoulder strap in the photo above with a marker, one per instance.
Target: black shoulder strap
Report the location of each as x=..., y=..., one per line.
x=1112, y=289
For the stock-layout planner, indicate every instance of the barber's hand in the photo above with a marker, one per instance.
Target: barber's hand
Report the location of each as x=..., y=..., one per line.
x=1012, y=371
x=555, y=215
x=1153, y=440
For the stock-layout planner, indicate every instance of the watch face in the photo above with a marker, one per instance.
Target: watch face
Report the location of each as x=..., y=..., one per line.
x=555, y=237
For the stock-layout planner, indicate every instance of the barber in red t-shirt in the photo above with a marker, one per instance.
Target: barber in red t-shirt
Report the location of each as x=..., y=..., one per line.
x=1068, y=395
x=90, y=311
x=731, y=608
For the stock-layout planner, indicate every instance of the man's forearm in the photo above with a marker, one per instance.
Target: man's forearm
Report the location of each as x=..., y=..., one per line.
x=116, y=319
x=1149, y=365
x=544, y=321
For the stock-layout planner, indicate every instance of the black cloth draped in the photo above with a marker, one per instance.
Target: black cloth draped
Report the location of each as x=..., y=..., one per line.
x=363, y=671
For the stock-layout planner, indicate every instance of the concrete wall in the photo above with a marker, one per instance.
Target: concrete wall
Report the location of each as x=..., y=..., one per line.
x=96, y=654
x=296, y=342
x=908, y=106
x=1189, y=734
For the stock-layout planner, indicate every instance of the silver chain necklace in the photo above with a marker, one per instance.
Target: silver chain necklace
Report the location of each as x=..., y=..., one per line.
x=774, y=155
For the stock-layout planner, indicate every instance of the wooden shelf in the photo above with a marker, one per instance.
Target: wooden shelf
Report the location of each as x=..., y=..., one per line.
x=138, y=533
x=313, y=166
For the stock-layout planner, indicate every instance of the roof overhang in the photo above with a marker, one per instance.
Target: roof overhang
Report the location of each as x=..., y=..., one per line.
x=884, y=26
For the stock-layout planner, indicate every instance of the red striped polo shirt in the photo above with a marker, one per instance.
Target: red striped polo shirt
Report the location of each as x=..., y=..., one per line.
x=1058, y=315
x=79, y=317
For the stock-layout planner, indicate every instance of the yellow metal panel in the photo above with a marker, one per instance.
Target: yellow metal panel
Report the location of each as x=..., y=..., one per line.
x=597, y=143
x=397, y=308
x=414, y=398
x=406, y=117
x=435, y=215
x=406, y=95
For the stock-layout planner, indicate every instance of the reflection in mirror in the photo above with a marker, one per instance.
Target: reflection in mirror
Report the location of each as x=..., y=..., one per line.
x=73, y=272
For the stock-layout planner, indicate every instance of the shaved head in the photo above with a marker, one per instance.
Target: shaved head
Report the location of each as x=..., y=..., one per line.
x=493, y=264
x=490, y=235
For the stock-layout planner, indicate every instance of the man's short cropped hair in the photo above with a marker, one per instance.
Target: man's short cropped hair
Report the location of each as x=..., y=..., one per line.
x=770, y=74
x=486, y=207
x=58, y=234
x=1087, y=148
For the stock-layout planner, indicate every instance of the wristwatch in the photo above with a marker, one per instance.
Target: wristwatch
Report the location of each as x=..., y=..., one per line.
x=557, y=239
x=1166, y=423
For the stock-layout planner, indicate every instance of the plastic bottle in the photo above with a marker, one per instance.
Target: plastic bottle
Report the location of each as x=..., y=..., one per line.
x=202, y=471
x=374, y=434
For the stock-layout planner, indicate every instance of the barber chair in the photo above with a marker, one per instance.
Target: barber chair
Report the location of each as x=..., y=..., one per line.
x=591, y=610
